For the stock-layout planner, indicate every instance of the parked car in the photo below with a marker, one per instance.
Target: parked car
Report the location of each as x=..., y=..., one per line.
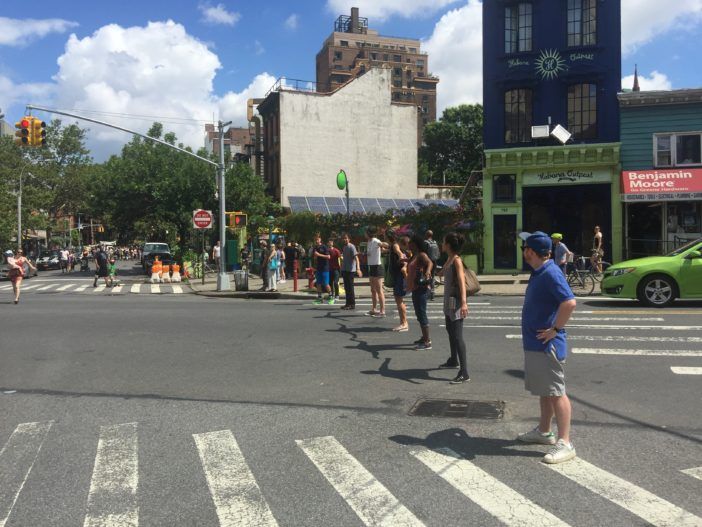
x=658, y=280
x=48, y=260
x=151, y=250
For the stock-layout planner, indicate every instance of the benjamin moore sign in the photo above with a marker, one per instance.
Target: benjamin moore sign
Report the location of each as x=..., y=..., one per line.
x=565, y=177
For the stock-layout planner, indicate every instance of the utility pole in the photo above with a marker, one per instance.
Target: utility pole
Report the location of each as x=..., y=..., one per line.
x=19, y=213
x=222, y=277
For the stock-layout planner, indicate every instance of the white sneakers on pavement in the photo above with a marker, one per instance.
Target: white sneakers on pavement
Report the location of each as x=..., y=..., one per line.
x=561, y=452
x=538, y=437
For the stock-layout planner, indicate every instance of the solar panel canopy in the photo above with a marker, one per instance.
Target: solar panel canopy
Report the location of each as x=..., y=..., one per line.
x=334, y=205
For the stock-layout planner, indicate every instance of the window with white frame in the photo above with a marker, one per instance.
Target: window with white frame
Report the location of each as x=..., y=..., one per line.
x=677, y=149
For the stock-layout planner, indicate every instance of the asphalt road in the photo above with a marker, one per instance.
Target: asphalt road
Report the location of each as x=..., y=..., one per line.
x=174, y=409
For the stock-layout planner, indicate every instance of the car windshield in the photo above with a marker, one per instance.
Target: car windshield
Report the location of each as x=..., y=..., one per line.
x=48, y=254
x=684, y=248
x=156, y=247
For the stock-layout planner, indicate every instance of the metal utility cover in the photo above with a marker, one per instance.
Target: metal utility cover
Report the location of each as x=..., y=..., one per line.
x=458, y=408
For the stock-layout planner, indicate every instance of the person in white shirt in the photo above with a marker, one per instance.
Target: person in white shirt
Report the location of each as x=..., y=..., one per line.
x=216, y=251
x=63, y=260
x=376, y=272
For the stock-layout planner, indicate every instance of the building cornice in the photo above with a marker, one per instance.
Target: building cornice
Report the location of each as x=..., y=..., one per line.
x=545, y=157
x=660, y=98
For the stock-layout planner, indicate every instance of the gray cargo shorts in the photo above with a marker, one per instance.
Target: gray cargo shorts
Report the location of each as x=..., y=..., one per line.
x=544, y=375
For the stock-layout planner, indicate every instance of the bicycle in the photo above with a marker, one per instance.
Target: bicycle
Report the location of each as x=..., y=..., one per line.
x=198, y=268
x=581, y=281
x=585, y=264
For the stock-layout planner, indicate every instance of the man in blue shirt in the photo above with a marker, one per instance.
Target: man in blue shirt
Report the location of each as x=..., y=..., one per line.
x=548, y=305
x=321, y=254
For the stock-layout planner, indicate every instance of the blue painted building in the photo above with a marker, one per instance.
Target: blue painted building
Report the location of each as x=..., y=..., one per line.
x=548, y=63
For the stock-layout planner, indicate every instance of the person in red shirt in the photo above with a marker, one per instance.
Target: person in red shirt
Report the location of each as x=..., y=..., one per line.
x=334, y=268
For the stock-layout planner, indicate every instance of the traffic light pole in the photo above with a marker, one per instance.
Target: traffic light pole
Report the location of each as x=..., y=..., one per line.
x=222, y=277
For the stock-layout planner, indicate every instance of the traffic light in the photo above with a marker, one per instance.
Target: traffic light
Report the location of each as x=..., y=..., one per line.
x=239, y=219
x=38, y=132
x=24, y=132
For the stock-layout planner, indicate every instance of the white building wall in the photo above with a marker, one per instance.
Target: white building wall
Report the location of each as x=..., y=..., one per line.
x=357, y=129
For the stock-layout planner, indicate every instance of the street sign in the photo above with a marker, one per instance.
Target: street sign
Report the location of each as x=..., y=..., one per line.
x=203, y=219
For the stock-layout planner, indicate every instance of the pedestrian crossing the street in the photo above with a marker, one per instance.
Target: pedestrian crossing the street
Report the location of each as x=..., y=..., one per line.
x=87, y=288
x=230, y=486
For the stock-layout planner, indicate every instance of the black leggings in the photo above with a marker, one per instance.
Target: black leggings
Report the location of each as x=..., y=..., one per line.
x=454, y=328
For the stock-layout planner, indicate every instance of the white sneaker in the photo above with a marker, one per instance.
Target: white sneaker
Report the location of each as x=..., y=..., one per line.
x=538, y=437
x=561, y=452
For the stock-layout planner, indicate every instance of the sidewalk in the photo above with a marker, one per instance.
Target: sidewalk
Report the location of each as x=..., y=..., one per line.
x=507, y=285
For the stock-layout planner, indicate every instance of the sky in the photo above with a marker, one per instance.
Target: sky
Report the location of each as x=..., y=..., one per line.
x=188, y=62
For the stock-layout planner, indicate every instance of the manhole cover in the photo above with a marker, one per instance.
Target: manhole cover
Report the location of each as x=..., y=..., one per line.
x=458, y=408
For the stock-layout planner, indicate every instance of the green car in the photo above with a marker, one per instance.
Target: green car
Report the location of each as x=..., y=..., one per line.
x=658, y=280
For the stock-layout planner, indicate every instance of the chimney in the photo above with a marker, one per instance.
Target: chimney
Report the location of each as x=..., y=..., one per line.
x=636, y=78
x=354, y=20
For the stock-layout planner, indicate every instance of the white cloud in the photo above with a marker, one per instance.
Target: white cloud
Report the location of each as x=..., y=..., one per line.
x=643, y=20
x=158, y=71
x=13, y=96
x=455, y=55
x=379, y=11
x=656, y=81
x=218, y=14
x=292, y=22
x=19, y=32
x=232, y=106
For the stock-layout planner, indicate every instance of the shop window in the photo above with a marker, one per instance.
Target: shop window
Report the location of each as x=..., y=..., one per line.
x=518, y=28
x=582, y=111
x=684, y=218
x=582, y=22
x=504, y=188
x=683, y=149
x=518, y=115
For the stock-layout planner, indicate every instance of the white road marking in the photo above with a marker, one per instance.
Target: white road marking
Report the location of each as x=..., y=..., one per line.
x=17, y=458
x=621, y=338
x=112, y=498
x=45, y=287
x=694, y=472
x=644, y=504
x=65, y=287
x=135, y=288
x=99, y=289
x=370, y=500
x=632, y=352
x=582, y=319
x=505, y=504
x=155, y=288
x=684, y=370
x=177, y=289
x=117, y=289
x=28, y=287
x=236, y=495
x=5, y=287
x=81, y=288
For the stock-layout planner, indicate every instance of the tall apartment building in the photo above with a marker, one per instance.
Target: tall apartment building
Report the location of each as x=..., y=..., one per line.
x=353, y=48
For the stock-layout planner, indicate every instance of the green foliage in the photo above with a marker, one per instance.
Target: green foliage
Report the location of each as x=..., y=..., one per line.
x=452, y=146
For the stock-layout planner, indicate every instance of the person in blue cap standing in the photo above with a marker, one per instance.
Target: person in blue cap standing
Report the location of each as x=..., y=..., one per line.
x=548, y=305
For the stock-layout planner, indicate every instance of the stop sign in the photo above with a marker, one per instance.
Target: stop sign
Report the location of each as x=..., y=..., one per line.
x=202, y=219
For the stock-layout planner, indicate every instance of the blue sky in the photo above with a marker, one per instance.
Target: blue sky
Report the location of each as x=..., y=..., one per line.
x=195, y=60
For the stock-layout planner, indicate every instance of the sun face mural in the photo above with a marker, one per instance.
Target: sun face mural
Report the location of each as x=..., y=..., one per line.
x=550, y=64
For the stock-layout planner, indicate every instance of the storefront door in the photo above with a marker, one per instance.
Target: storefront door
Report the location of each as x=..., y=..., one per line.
x=505, y=241
x=645, y=224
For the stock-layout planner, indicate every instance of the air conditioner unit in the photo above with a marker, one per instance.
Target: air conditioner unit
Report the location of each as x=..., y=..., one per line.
x=540, y=131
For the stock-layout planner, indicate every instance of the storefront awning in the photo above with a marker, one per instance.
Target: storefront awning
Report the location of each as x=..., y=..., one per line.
x=675, y=184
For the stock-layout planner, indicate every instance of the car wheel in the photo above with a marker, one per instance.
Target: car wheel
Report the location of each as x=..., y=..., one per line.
x=657, y=290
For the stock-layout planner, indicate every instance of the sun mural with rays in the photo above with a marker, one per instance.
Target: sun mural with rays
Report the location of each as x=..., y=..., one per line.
x=550, y=64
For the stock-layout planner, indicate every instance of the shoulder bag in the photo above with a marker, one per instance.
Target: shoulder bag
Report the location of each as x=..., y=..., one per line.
x=471, y=281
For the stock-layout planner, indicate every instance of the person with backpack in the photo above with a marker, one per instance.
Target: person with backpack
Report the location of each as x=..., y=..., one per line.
x=432, y=250
x=455, y=305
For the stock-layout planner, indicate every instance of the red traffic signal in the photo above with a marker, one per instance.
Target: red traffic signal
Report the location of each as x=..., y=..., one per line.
x=237, y=219
x=24, y=132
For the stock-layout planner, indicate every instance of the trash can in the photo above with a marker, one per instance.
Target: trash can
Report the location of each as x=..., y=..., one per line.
x=241, y=280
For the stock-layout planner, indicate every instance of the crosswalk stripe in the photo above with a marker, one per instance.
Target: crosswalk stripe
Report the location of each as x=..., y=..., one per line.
x=576, y=319
x=17, y=458
x=65, y=287
x=644, y=504
x=624, y=338
x=370, y=500
x=135, y=288
x=112, y=499
x=686, y=370
x=28, y=287
x=236, y=495
x=5, y=287
x=694, y=472
x=155, y=288
x=45, y=287
x=117, y=289
x=99, y=289
x=80, y=288
x=177, y=289
x=505, y=504
x=652, y=353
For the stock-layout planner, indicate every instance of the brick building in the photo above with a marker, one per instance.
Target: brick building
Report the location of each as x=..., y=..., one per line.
x=237, y=142
x=353, y=48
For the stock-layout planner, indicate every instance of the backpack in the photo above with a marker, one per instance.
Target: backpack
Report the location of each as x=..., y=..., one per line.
x=433, y=250
x=470, y=278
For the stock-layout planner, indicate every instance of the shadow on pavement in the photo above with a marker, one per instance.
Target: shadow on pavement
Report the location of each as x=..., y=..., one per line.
x=404, y=375
x=363, y=345
x=469, y=447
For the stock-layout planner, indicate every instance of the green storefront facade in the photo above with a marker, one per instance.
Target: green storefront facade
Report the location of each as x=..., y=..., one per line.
x=567, y=189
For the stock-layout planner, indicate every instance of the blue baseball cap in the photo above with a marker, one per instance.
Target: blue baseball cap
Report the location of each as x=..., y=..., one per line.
x=538, y=241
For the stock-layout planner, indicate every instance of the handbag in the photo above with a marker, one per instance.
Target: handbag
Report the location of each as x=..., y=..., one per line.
x=273, y=264
x=470, y=279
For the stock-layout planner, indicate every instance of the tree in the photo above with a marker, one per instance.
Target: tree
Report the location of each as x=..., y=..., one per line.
x=452, y=146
